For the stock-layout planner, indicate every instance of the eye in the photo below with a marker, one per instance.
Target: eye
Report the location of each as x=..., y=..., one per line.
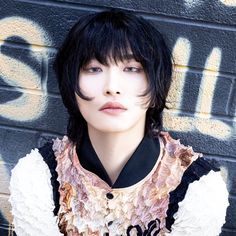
x=133, y=69
x=92, y=69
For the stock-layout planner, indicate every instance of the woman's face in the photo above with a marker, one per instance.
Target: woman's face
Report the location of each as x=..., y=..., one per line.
x=116, y=105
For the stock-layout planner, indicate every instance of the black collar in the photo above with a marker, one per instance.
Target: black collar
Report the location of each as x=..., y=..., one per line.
x=137, y=167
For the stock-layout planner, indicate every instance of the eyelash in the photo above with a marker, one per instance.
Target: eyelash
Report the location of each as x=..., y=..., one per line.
x=131, y=69
x=92, y=69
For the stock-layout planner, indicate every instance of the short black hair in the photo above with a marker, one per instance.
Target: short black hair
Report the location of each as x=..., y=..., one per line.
x=112, y=35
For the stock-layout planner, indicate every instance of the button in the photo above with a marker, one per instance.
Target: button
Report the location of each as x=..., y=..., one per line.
x=110, y=223
x=109, y=195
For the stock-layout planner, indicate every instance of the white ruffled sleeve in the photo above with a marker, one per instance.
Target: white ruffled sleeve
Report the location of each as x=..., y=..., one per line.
x=32, y=198
x=203, y=210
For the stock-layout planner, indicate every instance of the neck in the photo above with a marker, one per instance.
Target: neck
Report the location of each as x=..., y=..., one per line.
x=115, y=148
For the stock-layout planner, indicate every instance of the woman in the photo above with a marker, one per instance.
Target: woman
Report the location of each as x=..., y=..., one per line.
x=116, y=173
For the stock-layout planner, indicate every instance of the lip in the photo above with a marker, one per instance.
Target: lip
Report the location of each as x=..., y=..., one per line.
x=113, y=108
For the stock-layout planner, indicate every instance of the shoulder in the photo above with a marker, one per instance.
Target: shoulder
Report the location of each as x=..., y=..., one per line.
x=200, y=202
x=200, y=198
x=36, y=164
x=61, y=144
x=31, y=196
x=176, y=150
x=32, y=164
x=30, y=177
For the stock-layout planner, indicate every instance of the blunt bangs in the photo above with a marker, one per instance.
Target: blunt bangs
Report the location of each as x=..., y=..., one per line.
x=108, y=37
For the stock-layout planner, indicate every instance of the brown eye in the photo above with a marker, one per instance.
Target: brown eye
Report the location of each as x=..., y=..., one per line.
x=133, y=69
x=92, y=70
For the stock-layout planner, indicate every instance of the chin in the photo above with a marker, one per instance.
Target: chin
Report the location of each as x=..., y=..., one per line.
x=112, y=128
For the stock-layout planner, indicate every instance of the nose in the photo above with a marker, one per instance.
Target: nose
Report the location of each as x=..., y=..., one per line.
x=112, y=85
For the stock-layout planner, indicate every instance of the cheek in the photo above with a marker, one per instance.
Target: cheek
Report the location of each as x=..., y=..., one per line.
x=139, y=86
x=91, y=84
x=88, y=86
x=83, y=105
x=138, y=94
x=84, y=109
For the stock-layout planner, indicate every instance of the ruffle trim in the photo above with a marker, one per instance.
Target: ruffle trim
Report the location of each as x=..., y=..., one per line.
x=195, y=171
x=50, y=159
x=31, y=197
x=203, y=210
x=175, y=149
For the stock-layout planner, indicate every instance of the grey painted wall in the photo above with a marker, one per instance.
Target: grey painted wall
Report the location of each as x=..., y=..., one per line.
x=202, y=36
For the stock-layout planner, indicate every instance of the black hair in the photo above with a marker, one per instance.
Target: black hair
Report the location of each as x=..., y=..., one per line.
x=112, y=35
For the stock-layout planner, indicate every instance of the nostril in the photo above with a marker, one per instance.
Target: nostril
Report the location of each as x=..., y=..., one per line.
x=109, y=92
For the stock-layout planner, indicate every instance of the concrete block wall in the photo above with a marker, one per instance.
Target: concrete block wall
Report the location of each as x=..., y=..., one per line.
x=202, y=99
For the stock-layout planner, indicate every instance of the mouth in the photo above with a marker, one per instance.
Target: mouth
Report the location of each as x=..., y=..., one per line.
x=113, y=108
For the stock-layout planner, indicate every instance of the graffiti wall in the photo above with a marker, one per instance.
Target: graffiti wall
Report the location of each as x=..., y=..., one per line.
x=202, y=98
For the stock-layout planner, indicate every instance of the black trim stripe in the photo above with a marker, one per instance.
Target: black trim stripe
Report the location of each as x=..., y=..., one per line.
x=195, y=171
x=50, y=159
